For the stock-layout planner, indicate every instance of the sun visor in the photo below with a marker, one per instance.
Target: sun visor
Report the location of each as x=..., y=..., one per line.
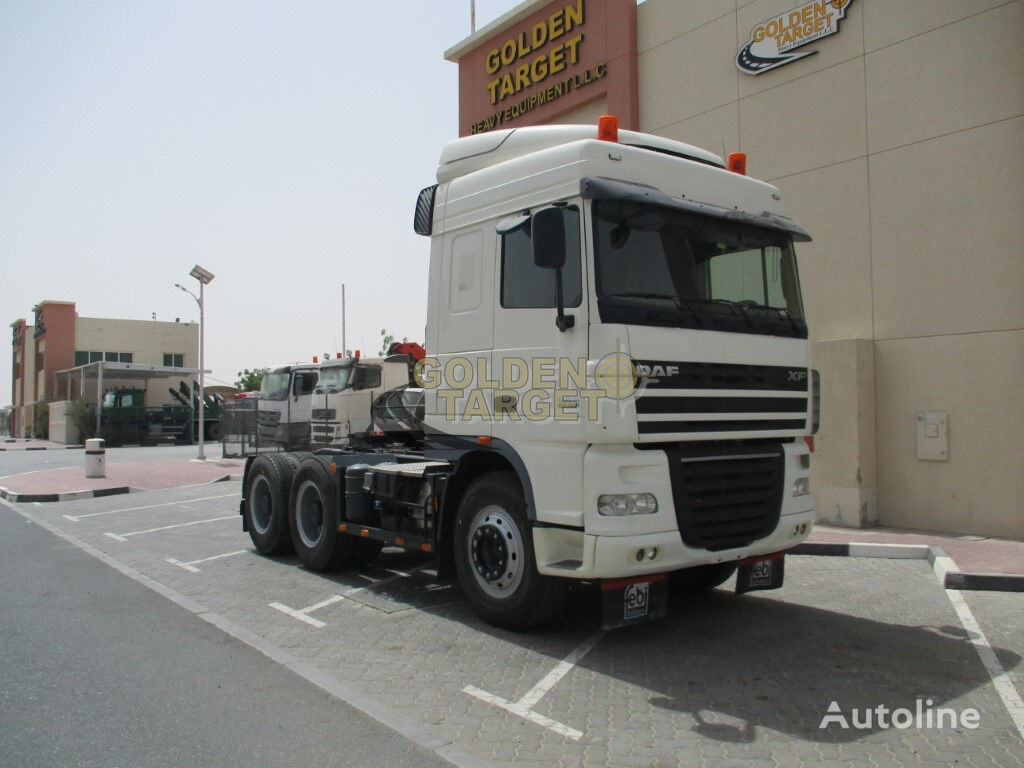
x=602, y=188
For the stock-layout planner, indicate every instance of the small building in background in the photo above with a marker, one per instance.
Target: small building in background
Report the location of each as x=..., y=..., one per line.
x=58, y=339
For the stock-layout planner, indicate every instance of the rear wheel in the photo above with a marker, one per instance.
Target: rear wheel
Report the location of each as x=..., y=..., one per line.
x=313, y=518
x=266, y=504
x=495, y=560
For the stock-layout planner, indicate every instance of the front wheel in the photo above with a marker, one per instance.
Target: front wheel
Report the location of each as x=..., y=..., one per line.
x=495, y=560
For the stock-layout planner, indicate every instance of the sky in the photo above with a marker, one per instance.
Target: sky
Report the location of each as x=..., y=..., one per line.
x=279, y=145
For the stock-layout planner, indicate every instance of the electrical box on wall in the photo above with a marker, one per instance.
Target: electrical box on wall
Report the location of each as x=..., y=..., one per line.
x=933, y=436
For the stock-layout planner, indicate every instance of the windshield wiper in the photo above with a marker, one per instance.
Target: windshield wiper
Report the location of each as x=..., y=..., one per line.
x=777, y=310
x=638, y=295
x=679, y=303
x=732, y=305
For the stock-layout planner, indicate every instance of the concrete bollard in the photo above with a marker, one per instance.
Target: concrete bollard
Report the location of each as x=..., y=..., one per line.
x=95, y=458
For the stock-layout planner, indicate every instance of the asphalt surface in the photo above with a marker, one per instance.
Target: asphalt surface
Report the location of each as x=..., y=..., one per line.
x=725, y=680
x=97, y=670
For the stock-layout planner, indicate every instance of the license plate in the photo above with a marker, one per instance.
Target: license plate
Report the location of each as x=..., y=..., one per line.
x=631, y=601
x=760, y=574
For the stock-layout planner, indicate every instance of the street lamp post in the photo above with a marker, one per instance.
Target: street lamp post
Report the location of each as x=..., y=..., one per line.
x=204, y=277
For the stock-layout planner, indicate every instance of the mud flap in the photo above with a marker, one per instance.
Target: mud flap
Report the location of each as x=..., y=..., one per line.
x=761, y=572
x=631, y=601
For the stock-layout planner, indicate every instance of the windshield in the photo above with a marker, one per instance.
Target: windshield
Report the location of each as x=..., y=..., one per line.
x=658, y=266
x=334, y=377
x=275, y=385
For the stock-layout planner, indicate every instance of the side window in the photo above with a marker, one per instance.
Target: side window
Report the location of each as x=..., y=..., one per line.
x=367, y=377
x=464, y=295
x=304, y=383
x=524, y=284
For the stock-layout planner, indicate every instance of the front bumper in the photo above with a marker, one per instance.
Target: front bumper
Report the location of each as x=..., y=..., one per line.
x=622, y=547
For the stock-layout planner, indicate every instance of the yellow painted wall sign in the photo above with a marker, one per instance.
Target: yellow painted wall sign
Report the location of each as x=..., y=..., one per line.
x=771, y=40
x=532, y=62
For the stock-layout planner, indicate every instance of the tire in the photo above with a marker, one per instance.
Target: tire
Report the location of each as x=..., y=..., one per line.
x=494, y=557
x=313, y=518
x=702, y=576
x=266, y=504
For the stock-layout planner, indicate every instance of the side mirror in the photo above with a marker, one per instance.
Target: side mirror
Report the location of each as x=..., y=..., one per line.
x=547, y=233
x=547, y=229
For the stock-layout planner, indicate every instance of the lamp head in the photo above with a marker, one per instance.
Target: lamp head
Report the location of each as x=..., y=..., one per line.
x=201, y=274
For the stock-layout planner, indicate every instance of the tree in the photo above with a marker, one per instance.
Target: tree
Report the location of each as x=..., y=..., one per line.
x=386, y=340
x=250, y=381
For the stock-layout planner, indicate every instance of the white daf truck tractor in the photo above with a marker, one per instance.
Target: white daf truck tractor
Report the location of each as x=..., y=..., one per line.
x=618, y=388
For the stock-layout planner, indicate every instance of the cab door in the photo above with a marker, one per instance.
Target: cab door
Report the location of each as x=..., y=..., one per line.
x=539, y=367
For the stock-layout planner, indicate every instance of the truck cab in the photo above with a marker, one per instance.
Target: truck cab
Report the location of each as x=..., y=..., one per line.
x=616, y=327
x=285, y=406
x=344, y=395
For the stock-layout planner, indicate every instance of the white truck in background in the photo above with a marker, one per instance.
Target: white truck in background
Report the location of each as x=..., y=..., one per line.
x=344, y=396
x=285, y=406
x=618, y=390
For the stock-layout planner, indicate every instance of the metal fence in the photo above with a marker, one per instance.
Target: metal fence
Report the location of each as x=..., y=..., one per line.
x=250, y=426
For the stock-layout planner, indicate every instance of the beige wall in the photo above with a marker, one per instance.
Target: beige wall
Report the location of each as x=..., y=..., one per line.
x=148, y=341
x=898, y=145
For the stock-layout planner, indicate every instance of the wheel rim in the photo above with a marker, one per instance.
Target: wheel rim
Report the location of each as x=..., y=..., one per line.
x=262, y=505
x=496, y=552
x=309, y=514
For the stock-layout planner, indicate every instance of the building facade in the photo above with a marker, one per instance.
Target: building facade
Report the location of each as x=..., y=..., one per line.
x=58, y=339
x=894, y=130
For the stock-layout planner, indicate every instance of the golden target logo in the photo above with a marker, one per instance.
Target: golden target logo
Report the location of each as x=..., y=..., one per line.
x=771, y=42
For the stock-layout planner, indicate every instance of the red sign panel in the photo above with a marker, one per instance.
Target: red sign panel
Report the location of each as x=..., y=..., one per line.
x=553, y=61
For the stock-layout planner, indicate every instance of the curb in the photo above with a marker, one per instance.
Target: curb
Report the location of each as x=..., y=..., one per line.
x=947, y=571
x=9, y=495
x=13, y=496
x=44, y=448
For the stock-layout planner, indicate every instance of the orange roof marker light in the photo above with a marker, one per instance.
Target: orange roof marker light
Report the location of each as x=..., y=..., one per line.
x=738, y=163
x=608, y=128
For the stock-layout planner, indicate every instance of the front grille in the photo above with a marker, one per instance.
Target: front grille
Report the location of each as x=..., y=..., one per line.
x=728, y=498
x=677, y=399
x=660, y=374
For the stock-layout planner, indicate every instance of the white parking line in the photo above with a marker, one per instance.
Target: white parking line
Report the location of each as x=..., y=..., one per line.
x=190, y=566
x=524, y=707
x=124, y=536
x=1002, y=682
x=182, y=503
x=300, y=614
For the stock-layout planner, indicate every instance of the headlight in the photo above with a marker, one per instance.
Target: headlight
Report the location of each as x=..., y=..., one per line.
x=618, y=504
x=801, y=486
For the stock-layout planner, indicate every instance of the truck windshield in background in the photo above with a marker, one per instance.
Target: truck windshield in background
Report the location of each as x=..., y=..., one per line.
x=664, y=267
x=334, y=378
x=275, y=385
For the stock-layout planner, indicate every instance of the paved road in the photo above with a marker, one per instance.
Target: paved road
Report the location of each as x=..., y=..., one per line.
x=97, y=670
x=723, y=681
